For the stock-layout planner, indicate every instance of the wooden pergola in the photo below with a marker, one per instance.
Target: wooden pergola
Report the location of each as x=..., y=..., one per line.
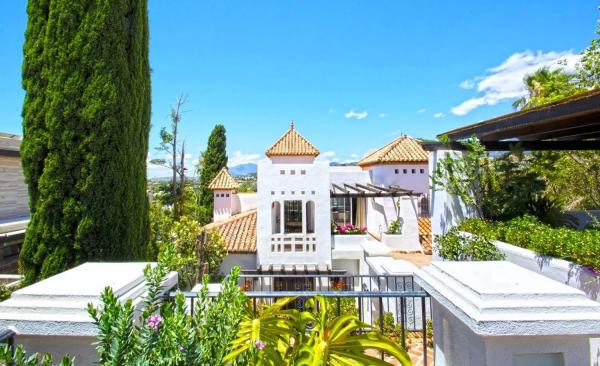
x=568, y=124
x=368, y=190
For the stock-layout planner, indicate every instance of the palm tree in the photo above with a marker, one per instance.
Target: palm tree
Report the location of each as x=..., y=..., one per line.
x=545, y=86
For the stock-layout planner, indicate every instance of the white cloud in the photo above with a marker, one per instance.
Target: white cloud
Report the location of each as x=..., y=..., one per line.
x=383, y=115
x=505, y=81
x=328, y=156
x=354, y=156
x=239, y=158
x=331, y=110
x=422, y=110
x=467, y=84
x=356, y=114
x=439, y=115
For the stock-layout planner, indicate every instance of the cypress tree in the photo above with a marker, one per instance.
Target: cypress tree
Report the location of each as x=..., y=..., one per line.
x=86, y=119
x=214, y=159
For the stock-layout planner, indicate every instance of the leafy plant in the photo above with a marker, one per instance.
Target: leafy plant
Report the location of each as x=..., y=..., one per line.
x=579, y=246
x=395, y=226
x=20, y=358
x=167, y=334
x=457, y=247
x=279, y=336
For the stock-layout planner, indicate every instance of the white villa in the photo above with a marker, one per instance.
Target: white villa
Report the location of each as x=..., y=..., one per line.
x=298, y=219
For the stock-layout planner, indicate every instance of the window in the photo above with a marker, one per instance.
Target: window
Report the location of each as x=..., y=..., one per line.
x=292, y=217
x=343, y=210
x=275, y=217
x=422, y=171
x=282, y=172
x=310, y=217
x=292, y=172
x=227, y=195
x=303, y=172
x=396, y=171
x=272, y=193
x=403, y=171
x=413, y=171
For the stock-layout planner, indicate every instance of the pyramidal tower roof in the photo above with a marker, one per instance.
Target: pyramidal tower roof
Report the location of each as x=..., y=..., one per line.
x=223, y=180
x=404, y=149
x=292, y=144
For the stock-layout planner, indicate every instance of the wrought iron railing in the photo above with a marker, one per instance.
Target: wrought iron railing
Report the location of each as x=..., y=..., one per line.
x=395, y=305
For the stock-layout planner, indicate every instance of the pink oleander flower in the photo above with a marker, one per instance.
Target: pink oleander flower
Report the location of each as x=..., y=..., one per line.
x=260, y=345
x=342, y=230
x=349, y=226
x=154, y=321
x=363, y=228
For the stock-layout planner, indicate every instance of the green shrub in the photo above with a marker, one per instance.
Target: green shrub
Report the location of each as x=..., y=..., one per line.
x=579, y=246
x=457, y=247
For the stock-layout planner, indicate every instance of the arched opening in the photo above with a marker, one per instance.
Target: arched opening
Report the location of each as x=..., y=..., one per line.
x=275, y=217
x=310, y=217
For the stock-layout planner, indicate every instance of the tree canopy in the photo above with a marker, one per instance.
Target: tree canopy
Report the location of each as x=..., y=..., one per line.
x=213, y=160
x=86, y=119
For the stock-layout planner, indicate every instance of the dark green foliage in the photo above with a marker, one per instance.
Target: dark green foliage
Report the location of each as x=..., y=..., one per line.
x=213, y=160
x=455, y=246
x=86, y=119
x=581, y=247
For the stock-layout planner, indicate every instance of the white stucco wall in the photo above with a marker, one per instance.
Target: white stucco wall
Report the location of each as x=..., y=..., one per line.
x=224, y=207
x=244, y=261
x=82, y=348
x=446, y=210
x=393, y=174
x=247, y=201
x=299, y=181
x=569, y=273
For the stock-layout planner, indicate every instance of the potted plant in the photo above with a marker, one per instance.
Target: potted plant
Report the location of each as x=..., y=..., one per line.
x=393, y=237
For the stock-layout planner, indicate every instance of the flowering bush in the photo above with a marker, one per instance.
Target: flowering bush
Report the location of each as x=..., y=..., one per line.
x=349, y=229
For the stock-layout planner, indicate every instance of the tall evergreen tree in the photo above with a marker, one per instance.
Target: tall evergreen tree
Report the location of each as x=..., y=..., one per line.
x=86, y=119
x=213, y=160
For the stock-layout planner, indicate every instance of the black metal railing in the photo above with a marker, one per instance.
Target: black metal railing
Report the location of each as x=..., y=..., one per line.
x=395, y=305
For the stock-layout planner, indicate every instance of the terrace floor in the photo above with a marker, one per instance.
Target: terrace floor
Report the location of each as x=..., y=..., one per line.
x=418, y=259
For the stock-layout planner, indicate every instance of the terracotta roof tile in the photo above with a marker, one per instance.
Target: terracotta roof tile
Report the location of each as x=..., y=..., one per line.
x=223, y=180
x=238, y=231
x=404, y=149
x=292, y=144
x=425, y=236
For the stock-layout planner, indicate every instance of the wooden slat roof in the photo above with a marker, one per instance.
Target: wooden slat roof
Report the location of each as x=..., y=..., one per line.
x=570, y=119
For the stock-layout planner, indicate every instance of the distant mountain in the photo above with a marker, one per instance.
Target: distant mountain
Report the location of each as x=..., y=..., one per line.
x=243, y=169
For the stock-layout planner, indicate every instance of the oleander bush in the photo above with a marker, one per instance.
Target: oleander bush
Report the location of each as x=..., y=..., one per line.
x=579, y=246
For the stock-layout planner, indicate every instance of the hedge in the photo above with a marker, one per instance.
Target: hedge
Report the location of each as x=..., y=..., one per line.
x=579, y=246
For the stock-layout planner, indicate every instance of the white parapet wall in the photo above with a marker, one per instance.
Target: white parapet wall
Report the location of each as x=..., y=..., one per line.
x=569, y=273
x=51, y=316
x=498, y=313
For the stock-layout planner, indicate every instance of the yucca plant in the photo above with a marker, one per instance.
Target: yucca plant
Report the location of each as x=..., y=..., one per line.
x=316, y=337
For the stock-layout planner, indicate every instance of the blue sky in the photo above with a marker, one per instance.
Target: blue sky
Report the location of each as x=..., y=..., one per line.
x=351, y=74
